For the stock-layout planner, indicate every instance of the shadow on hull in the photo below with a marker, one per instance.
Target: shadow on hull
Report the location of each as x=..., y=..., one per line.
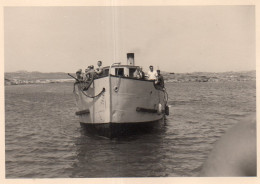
x=115, y=130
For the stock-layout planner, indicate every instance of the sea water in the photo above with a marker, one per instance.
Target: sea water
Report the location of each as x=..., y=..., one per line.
x=43, y=138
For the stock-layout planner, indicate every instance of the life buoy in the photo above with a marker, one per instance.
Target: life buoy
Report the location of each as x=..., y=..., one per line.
x=116, y=89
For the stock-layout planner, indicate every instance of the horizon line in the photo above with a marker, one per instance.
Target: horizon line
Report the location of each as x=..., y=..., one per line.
x=25, y=71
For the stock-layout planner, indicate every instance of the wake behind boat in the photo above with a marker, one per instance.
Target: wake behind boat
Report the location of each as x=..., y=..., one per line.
x=116, y=101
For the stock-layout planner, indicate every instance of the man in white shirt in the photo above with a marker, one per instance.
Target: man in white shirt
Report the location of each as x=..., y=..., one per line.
x=99, y=70
x=152, y=74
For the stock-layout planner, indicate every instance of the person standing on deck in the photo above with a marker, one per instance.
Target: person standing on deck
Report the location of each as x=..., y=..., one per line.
x=142, y=73
x=99, y=70
x=79, y=75
x=159, y=80
x=138, y=73
x=86, y=72
x=91, y=74
x=152, y=74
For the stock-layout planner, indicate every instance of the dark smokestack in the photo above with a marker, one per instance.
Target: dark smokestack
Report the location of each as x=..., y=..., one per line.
x=130, y=59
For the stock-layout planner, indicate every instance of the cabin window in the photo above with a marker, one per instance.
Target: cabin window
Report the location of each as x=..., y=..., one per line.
x=106, y=72
x=120, y=71
x=131, y=72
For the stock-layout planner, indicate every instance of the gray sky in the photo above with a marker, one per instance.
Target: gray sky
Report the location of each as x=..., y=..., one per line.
x=173, y=38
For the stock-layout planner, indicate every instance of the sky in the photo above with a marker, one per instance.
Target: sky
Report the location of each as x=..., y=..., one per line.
x=171, y=38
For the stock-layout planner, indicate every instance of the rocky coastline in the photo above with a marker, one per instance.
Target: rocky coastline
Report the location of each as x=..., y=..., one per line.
x=24, y=77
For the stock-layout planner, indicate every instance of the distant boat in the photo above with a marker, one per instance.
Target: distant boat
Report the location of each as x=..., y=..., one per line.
x=117, y=102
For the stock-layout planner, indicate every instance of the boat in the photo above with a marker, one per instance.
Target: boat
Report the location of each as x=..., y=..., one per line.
x=115, y=102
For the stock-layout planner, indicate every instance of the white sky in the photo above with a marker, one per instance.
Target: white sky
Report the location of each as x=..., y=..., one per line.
x=173, y=38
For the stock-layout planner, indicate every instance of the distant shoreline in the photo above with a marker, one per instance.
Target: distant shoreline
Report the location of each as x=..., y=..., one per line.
x=24, y=77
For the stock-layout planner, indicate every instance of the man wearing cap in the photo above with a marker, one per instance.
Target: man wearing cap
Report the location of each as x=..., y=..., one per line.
x=152, y=74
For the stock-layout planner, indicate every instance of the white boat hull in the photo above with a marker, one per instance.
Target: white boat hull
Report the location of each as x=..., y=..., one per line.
x=124, y=100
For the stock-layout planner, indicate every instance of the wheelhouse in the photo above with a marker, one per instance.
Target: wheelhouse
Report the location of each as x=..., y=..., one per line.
x=119, y=71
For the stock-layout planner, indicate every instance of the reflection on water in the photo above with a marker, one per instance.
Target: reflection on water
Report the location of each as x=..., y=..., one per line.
x=135, y=155
x=44, y=138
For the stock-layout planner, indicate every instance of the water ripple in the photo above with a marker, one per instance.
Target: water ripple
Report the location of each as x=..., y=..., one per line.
x=45, y=140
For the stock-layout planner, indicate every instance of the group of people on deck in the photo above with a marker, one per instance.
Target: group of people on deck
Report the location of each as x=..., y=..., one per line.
x=91, y=73
x=156, y=75
x=151, y=75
